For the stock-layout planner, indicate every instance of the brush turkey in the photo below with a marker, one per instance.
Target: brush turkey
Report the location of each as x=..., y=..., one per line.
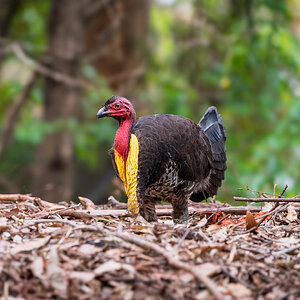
x=166, y=158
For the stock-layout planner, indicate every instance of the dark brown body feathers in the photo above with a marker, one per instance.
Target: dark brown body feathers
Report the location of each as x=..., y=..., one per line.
x=178, y=160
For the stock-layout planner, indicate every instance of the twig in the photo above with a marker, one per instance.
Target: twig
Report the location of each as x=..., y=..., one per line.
x=13, y=113
x=283, y=191
x=237, y=210
x=285, y=251
x=57, y=211
x=39, y=68
x=253, y=191
x=187, y=231
x=75, y=214
x=266, y=199
x=234, y=278
x=113, y=202
x=108, y=212
x=212, y=215
x=64, y=221
x=222, y=219
x=16, y=197
x=284, y=207
x=203, y=235
x=276, y=205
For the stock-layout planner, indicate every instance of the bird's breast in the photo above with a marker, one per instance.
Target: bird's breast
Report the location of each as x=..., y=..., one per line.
x=170, y=185
x=128, y=171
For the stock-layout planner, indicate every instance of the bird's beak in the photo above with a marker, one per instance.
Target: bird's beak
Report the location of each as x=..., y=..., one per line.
x=103, y=112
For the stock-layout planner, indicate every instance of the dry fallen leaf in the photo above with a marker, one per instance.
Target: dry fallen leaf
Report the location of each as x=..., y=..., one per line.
x=267, y=207
x=28, y=246
x=108, y=267
x=111, y=266
x=213, y=227
x=232, y=255
x=209, y=269
x=88, y=249
x=53, y=261
x=82, y=262
x=292, y=214
x=37, y=267
x=238, y=290
x=201, y=223
x=220, y=235
x=87, y=203
x=250, y=221
x=56, y=273
x=3, y=224
x=82, y=276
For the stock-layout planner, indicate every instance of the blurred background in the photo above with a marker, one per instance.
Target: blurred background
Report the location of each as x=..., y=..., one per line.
x=60, y=60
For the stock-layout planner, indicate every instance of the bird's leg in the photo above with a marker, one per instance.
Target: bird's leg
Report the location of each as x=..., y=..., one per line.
x=180, y=210
x=147, y=210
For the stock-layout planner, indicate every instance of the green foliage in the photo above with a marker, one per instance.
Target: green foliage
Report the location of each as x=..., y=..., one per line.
x=244, y=59
x=246, y=62
x=29, y=26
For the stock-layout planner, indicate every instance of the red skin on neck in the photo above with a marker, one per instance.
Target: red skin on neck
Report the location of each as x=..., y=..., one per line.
x=122, y=138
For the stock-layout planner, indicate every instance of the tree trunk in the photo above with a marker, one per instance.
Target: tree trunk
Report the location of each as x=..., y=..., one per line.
x=115, y=38
x=54, y=169
x=8, y=9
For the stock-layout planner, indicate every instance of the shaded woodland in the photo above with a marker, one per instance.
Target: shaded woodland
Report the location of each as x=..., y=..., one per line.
x=61, y=60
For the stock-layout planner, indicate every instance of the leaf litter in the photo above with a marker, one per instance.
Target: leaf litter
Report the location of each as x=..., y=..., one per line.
x=63, y=251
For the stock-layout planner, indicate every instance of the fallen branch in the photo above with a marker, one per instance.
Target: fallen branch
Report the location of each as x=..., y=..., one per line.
x=16, y=197
x=113, y=202
x=59, y=211
x=235, y=210
x=75, y=214
x=166, y=210
x=275, y=206
x=266, y=199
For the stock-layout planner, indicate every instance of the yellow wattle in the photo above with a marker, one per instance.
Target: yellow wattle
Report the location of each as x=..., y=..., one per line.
x=129, y=176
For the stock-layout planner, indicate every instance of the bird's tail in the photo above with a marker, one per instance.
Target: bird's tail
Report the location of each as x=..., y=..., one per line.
x=212, y=124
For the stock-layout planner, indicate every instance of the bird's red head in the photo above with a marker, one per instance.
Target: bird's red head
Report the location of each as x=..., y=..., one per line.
x=118, y=108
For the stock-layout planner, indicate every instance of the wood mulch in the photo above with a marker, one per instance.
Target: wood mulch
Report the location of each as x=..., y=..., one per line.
x=67, y=251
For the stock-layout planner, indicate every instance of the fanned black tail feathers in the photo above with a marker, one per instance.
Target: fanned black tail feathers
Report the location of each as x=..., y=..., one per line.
x=212, y=124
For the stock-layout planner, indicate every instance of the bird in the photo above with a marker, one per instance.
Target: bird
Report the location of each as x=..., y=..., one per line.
x=165, y=157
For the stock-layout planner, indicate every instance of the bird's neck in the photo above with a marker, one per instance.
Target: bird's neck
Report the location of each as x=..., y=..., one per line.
x=122, y=138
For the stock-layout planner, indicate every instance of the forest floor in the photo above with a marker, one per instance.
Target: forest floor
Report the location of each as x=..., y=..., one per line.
x=64, y=251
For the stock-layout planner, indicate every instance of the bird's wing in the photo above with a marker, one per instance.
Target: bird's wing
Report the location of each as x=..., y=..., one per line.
x=165, y=137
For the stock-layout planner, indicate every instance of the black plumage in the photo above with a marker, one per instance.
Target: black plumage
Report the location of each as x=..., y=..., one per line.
x=178, y=159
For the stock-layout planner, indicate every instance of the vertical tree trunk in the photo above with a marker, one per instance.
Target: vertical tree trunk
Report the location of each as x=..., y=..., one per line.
x=54, y=169
x=115, y=38
x=8, y=9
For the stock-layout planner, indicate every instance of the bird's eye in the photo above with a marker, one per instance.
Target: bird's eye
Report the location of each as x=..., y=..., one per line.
x=117, y=106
